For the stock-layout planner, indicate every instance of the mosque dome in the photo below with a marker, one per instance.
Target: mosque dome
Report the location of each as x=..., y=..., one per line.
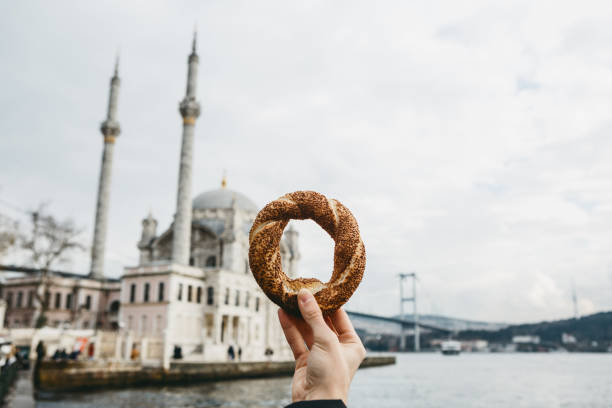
x=222, y=198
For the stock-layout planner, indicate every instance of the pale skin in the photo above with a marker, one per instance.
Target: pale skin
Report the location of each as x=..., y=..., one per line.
x=327, y=351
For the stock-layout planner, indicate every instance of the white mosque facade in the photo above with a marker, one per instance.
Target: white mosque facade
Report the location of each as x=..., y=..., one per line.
x=214, y=302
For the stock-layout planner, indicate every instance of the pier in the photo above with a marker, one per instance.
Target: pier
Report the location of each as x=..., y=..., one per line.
x=86, y=375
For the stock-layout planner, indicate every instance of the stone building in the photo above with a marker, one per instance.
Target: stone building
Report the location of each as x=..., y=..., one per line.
x=213, y=302
x=74, y=301
x=193, y=286
x=192, y=289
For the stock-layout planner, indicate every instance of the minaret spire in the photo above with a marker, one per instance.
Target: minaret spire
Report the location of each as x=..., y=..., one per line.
x=117, y=66
x=195, y=40
x=190, y=111
x=110, y=130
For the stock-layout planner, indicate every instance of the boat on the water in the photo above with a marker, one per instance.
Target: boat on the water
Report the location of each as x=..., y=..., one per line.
x=451, y=347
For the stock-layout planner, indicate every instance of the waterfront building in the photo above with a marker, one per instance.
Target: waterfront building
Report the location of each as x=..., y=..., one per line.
x=74, y=301
x=193, y=287
x=192, y=296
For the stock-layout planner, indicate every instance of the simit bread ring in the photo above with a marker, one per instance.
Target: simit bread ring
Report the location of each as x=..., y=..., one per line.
x=265, y=259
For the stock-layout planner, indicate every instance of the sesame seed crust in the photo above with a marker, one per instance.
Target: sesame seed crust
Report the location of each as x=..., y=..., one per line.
x=265, y=259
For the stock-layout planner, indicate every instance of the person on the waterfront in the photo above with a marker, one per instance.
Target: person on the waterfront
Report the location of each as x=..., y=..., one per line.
x=230, y=353
x=40, y=351
x=327, y=354
x=135, y=354
x=239, y=353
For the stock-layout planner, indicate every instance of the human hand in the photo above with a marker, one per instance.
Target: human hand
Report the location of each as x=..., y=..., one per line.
x=327, y=351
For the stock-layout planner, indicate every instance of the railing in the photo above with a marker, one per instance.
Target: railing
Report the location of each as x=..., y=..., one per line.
x=8, y=373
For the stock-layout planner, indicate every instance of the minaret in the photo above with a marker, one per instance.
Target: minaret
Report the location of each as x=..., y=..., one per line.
x=110, y=130
x=190, y=110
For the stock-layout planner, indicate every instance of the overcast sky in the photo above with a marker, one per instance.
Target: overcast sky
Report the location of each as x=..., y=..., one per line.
x=472, y=140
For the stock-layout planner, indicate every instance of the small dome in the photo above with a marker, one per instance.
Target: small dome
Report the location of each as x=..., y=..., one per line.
x=222, y=198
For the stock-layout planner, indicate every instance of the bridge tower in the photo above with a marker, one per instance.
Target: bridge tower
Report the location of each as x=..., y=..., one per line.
x=415, y=314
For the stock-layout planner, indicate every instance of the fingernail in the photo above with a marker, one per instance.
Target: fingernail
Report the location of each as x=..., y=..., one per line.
x=304, y=296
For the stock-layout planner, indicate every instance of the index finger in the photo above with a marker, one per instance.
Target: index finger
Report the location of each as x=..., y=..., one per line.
x=343, y=325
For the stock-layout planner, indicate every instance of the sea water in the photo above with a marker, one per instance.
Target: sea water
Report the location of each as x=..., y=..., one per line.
x=417, y=380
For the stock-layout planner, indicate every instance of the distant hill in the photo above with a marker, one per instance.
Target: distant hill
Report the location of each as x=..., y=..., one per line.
x=455, y=324
x=592, y=328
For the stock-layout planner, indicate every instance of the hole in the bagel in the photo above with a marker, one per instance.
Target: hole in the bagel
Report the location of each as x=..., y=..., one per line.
x=316, y=250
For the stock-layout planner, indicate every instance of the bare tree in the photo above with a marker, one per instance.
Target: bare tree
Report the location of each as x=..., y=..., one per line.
x=49, y=242
x=9, y=231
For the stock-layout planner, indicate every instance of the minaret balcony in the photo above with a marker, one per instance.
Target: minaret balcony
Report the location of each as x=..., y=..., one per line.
x=189, y=108
x=110, y=128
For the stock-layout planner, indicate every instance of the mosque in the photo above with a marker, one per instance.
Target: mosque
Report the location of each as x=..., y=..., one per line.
x=192, y=292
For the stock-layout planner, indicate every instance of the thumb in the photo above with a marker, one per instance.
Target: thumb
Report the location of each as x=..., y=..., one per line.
x=311, y=312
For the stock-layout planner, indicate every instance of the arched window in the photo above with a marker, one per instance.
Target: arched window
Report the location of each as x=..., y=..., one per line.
x=88, y=302
x=132, y=293
x=237, y=297
x=210, y=295
x=211, y=261
x=199, y=295
x=227, y=293
x=114, y=306
x=147, y=289
x=160, y=292
x=246, y=301
x=257, y=304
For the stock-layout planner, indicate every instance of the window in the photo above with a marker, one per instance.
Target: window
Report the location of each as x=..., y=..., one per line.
x=210, y=296
x=226, y=301
x=88, y=302
x=199, y=295
x=114, y=306
x=47, y=299
x=19, y=298
x=160, y=292
x=189, y=290
x=246, y=300
x=31, y=298
x=147, y=288
x=257, y=304
x=211, y=261
x=85, y=324
x=180, y=292
x=69, y=301
x=132, y=293
x=58, y=300
x=9, y=299
x=237, y=298
x=246, y=266
x=191, y=261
